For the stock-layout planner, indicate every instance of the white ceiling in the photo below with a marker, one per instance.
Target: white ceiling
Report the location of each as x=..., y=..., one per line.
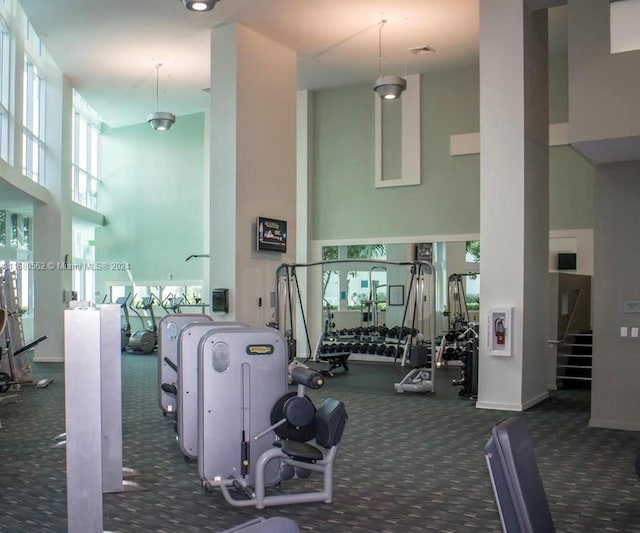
x=109, y=49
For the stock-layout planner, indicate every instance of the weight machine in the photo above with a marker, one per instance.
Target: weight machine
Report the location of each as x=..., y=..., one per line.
x=457, y=312
x=418, y=315
x=15, y=369
x=468, y=381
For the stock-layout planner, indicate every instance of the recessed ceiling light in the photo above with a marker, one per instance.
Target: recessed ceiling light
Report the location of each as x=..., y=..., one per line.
x=199, y=5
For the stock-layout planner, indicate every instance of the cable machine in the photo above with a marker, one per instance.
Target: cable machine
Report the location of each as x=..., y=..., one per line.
x=416, y=329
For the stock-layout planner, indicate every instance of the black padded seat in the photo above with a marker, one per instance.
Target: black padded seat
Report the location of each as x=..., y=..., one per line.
x=335, y=360
x=300, y=451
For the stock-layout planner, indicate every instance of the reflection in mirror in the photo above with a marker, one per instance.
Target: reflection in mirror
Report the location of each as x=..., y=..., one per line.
x=357, y=315
x=358, y=296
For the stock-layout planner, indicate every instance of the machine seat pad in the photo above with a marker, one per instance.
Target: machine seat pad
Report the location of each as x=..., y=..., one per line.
x=300, y=451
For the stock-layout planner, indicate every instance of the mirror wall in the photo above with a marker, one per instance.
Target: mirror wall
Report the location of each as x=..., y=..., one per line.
x=361, y=295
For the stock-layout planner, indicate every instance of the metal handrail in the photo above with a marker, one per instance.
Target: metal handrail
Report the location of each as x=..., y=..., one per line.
x=553, y=342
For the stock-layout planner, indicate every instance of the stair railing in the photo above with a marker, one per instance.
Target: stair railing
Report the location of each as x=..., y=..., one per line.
x=552, y=342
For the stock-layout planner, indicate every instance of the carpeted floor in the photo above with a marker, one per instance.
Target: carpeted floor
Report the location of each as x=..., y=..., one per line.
x=407, y=463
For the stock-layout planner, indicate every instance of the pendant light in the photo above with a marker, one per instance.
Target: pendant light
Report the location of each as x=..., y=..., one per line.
x=199, y=5
x=160, y=120
x=388, y=87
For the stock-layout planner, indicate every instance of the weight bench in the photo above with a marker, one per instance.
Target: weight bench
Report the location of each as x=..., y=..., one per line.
x=335, y=360
x=522, y=502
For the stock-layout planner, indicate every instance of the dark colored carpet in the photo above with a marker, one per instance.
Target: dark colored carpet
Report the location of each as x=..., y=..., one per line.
x=407, y=463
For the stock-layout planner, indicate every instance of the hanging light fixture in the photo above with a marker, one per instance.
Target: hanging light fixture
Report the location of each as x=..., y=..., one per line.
x=160, y=120
x=199, y=5
x=388, y=87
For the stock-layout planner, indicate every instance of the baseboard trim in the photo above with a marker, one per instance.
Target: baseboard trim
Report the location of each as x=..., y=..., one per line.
x=535, y=400
x=613, y=424
x=513, y=406
x=497, y=406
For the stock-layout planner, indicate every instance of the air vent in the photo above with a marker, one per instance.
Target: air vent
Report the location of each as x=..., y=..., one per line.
x=421, y=50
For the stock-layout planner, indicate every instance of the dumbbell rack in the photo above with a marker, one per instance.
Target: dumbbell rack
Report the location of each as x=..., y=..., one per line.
x=363, y=347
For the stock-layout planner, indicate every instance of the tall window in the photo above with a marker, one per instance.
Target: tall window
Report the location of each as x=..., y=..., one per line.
x=351, y=288
x=86, y=152
x=83, y=256
x=20, y=231
x=33, y=133
x=5, y=84
x=3, y=227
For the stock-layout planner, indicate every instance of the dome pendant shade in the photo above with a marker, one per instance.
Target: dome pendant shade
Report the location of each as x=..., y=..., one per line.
x=161, y=120
x=390, y=87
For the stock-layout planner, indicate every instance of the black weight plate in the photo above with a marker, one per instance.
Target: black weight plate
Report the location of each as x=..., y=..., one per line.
x=287, y=430
x=5, y=382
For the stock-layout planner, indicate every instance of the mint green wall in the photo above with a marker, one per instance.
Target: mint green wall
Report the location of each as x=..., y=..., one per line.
x=570, y=189
x=152, y=197
x=346, y=204
x=558, y=88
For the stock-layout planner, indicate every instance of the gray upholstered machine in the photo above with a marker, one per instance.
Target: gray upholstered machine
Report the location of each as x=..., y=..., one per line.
x=257, y=451
x=517, y=484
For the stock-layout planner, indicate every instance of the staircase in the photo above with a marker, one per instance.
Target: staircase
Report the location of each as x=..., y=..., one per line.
x=574, y=360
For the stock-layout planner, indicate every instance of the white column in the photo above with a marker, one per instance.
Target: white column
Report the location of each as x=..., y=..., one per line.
x=253, y=163
x=514, y=196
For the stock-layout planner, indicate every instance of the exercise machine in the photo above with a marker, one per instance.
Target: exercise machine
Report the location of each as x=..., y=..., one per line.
x=421, y=377
x=187, y=390
x=172, y=303
x=275, y=524
x=517, y=485
x=242, y=373
x=419, y=350
x=169, y=329
x=468, y=381
x=15, y=369
x=125, y=328
x=288, y=294
x=294, y=419
x=145, y=340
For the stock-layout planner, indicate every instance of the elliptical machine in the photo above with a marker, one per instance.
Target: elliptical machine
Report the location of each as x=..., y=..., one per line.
x=145, y=340
x=125, y=329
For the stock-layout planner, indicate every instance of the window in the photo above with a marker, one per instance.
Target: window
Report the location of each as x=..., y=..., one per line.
x=5, y=85
x=472, y=252
x=83, y=278
x=367, y=287
x=344, y=290
x=3, y=227
x=85, y=182
x=20, y=231
x=33, y=123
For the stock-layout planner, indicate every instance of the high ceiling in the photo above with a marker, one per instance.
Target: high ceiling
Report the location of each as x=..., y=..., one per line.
x=109, y=49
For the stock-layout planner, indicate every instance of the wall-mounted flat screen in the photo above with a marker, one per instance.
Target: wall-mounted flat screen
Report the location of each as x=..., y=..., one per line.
x=567, y=261
x=271, y=234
